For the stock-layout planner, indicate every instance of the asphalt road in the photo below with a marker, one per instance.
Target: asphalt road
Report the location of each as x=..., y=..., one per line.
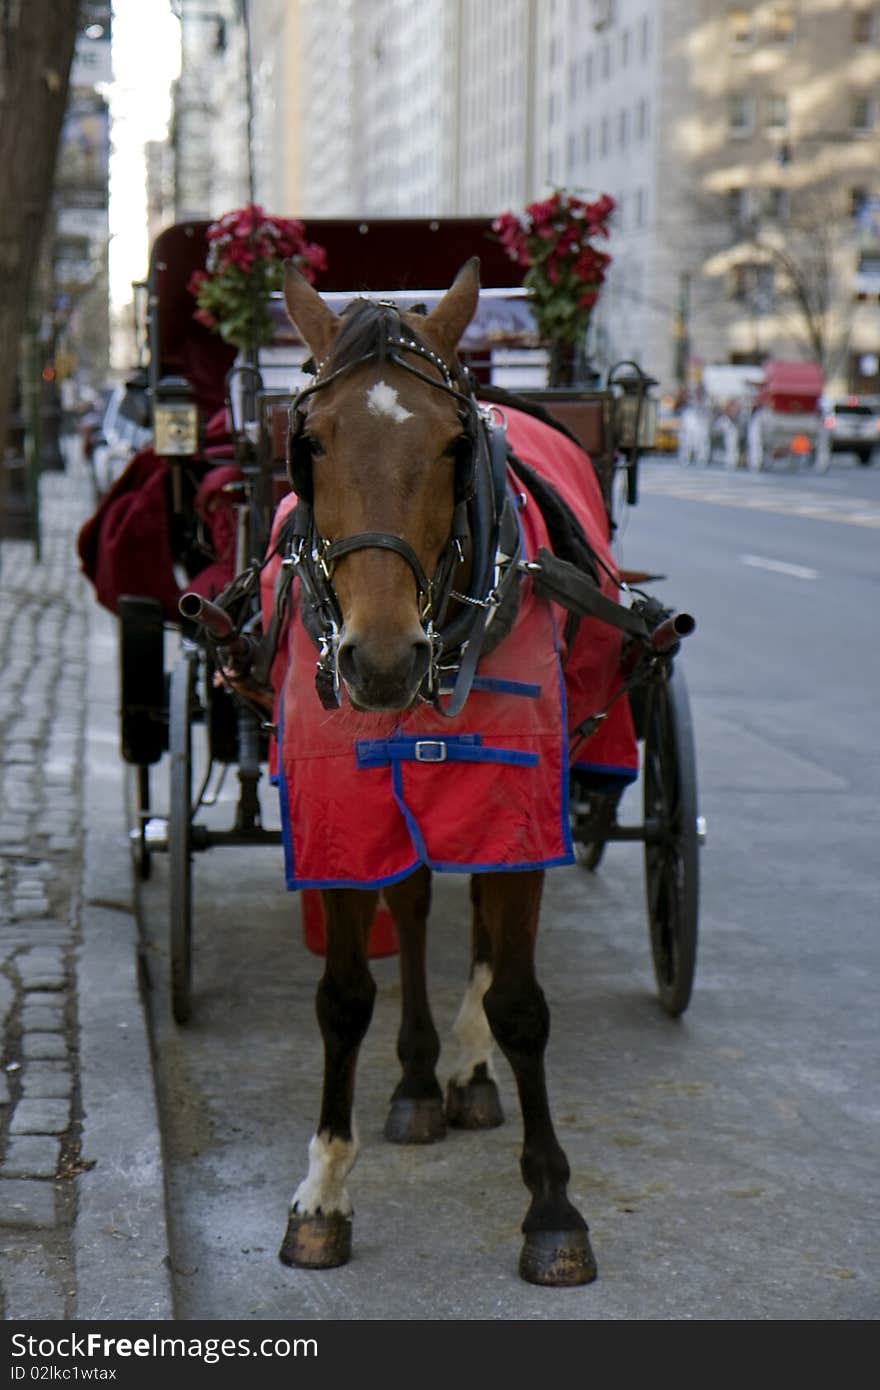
x=726, y=1163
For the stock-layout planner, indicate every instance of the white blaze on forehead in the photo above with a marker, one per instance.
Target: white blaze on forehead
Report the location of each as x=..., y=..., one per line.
x=471, y=1029
x=382, y=400
x=323, y=1188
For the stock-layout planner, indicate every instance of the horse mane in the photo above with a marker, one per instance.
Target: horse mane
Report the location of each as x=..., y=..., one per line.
x=366, y=326
x=366, y=323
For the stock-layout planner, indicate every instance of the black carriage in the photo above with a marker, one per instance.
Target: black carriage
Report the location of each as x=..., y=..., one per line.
x=193, y=376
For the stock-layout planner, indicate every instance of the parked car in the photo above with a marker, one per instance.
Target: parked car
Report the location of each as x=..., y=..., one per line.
x=118, y=438
x=853, y=426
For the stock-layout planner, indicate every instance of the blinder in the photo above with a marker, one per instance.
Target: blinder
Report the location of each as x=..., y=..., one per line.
x=299, y=455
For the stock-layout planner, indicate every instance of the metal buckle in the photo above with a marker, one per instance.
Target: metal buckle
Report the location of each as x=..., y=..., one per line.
x=430, y=750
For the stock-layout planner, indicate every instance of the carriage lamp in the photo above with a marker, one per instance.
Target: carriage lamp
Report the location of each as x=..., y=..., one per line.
x=635, y=410
x=175, y=419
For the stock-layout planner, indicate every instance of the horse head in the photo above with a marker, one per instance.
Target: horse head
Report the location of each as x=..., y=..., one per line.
x=384, y=437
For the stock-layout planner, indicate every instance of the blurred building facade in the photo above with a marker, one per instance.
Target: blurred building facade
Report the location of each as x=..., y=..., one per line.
x=742, y=143
x=77, y=326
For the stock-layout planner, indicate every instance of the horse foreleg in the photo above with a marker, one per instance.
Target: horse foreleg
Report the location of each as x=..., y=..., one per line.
x=416, y=1112
x=556, y=1248
x=472, y=1100
x=319, y=1226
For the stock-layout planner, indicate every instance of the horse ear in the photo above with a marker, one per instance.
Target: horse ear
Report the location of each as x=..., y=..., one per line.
x=316, y=324
x=448, y=320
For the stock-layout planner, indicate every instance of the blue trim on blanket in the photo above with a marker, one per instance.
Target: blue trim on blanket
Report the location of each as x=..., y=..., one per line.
x=436, y=867
x=500, y=686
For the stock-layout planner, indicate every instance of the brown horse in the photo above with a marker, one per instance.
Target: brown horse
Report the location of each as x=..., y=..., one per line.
x=389, y=451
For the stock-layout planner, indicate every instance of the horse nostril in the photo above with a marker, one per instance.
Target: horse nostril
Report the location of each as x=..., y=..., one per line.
x=347, y=661
x=421, y=660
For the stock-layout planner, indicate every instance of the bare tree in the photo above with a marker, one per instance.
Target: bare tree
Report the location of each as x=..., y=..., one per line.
x=37, y=40
x=803, y=247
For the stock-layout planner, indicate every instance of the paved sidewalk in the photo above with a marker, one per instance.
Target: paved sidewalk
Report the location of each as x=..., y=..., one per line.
x=82, y=1205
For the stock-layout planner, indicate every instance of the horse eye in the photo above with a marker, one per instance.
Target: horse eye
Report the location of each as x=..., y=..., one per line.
x=316, y=448
x=455, y=449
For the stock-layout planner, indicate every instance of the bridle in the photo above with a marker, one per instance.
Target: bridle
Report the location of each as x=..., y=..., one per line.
x=456, y=623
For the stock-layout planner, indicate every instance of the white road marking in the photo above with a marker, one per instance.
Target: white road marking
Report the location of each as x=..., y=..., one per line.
x=382, y=400
x=760, y=562
x=763, y=492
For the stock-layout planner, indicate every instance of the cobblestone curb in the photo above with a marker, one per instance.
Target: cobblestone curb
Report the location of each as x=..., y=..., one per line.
x=80, y=1156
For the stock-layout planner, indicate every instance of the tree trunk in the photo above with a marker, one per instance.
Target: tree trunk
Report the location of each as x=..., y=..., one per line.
x=37, y=40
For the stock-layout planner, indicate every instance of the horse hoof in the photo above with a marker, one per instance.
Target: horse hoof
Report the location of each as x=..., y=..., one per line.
x=316, y=1242
x=561, y=1259
x=474, y=1106
x=415, y=1122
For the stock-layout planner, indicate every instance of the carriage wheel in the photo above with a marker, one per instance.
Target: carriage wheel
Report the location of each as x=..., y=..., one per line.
x=671, y=852
x=181, y=711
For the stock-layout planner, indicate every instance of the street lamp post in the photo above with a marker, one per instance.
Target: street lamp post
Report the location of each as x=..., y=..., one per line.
x=682, y=330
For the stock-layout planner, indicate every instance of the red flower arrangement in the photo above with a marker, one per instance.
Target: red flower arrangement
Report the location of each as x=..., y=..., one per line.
x=246, y=251
x=553, y=241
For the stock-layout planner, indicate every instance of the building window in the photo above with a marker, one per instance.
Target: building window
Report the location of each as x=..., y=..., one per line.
x=641, y=206
x=777, y=112
x=585, y=144
x=753, y=283
x=866, y=281
x=624, y=48
x=775, y=204
x=622, y=129
x=782, y=24
x=739, y=114
x=739, y=26
x=603, y=137
x=864, y=26
x=857, y=200
x=603, y=13
x=605, y=55
x=862, y=114
x=738, y=206
x=865, y=211
x=642, y=119
x=645, y=38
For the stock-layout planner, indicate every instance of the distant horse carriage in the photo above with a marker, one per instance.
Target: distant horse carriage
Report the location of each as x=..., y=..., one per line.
x=787, y=424
x=429, y=625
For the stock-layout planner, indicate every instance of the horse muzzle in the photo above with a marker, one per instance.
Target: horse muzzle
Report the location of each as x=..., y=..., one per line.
x=384, y=675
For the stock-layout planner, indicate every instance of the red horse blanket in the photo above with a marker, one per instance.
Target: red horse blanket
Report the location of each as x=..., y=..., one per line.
x=366, y=798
